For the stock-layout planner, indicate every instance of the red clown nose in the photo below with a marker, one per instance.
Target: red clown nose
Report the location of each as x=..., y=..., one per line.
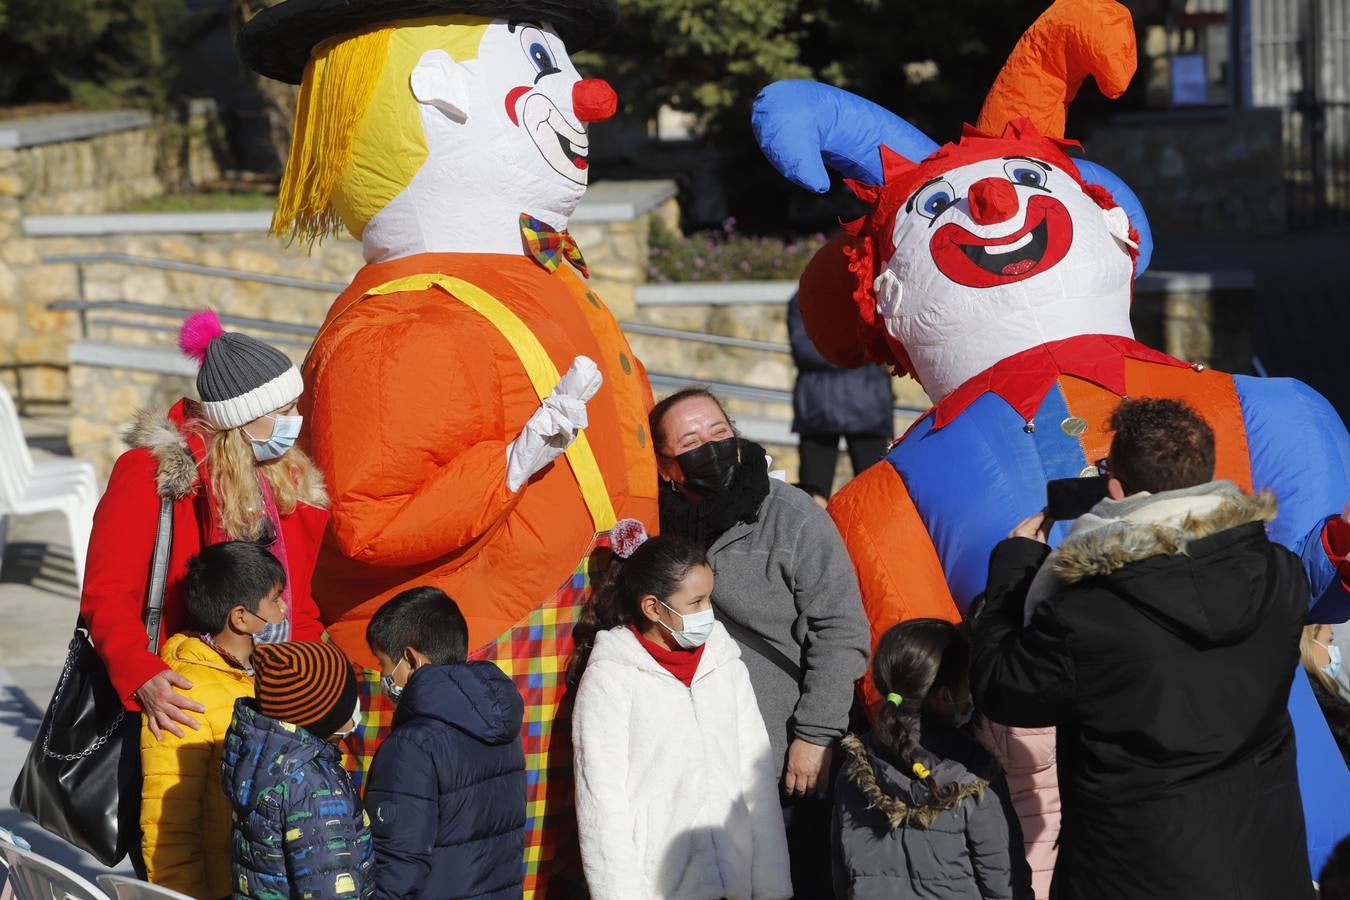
x=593, y=100
x=992, y=200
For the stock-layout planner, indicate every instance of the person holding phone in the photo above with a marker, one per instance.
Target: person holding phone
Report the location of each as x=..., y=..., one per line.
x=1161, y=638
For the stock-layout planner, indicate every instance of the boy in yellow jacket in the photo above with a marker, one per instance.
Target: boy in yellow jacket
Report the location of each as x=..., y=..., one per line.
x=233, y=593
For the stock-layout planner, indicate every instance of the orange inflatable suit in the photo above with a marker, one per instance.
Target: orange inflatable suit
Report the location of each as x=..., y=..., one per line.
x=478, y=413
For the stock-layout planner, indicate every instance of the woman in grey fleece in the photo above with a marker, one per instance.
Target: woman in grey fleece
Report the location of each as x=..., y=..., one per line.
x=786, y=589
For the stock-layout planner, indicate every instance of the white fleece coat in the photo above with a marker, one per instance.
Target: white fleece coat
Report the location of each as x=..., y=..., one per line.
x=676, y=794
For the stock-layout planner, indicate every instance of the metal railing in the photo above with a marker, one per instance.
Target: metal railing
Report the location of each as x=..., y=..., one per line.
x=299, y=335
x=82, y=306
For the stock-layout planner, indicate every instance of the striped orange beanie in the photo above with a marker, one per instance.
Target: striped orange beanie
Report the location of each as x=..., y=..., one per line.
x=305, y=683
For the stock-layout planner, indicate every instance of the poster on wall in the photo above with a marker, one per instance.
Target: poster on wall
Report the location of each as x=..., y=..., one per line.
x=1189, y=82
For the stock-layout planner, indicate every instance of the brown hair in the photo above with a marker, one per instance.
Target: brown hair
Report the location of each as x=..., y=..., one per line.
x=657, y=568
x=912, y=660
x=1160, y=445
x=655, y=419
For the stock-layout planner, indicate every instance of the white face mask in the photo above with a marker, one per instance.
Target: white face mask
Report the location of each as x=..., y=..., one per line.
x=284, y=434
x=694, y=627
x=963, y=713
x=353, y=723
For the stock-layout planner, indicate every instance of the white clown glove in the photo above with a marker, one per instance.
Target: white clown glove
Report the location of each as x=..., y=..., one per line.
x=556, y=424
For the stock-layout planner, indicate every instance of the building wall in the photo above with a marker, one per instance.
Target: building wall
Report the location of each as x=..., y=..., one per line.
x=1199, y=172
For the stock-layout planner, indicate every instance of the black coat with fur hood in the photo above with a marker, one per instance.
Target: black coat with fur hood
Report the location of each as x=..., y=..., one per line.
x=892, y=841
x=1165, y=656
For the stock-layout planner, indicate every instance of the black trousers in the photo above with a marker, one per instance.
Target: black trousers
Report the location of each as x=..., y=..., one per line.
x=818, y=454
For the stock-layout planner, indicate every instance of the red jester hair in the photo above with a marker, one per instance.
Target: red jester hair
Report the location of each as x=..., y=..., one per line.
x=870, y=244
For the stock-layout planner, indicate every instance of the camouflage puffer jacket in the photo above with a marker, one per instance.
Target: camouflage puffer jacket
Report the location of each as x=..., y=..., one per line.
x=299, y=829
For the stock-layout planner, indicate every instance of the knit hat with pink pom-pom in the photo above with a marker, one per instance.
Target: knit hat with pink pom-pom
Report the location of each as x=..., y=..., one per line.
x=241, y=378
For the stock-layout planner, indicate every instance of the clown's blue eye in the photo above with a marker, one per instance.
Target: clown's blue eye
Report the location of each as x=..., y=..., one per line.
x=542, y=59
x=1025, y=172
x=933, y=199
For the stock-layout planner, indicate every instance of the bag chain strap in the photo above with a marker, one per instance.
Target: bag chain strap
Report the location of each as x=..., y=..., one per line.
x=154, y=606
x=60, y=686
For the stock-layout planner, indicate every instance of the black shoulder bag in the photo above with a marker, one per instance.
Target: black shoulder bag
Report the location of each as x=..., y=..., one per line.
x=82, y=778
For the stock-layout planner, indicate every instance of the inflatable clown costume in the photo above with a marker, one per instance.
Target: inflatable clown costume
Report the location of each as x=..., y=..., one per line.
x=997, y=271
x=479, y=416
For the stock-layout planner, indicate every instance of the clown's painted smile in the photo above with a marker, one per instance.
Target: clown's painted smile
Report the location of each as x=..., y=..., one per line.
x=564, y=146
x=1042, y=241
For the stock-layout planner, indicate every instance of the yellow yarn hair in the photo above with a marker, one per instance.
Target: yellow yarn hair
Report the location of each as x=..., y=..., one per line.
x=338, y=83
x=358, y=136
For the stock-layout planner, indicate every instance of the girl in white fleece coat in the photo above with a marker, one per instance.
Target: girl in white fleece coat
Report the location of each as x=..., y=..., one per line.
x=677, y=796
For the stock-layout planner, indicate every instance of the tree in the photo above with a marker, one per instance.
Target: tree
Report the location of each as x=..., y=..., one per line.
x=94, y=52
x=930, y=62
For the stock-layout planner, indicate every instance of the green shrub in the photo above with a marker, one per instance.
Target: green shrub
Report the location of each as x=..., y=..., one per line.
x=725, y=255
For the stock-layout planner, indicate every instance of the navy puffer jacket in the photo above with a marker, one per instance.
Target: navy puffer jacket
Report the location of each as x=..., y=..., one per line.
x=446, y=794
x=828, y=399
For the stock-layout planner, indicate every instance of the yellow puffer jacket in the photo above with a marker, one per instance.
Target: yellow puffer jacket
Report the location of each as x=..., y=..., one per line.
x=185, y=815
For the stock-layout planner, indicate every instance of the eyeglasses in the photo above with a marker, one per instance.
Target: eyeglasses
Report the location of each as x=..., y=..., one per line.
x=1104, y=466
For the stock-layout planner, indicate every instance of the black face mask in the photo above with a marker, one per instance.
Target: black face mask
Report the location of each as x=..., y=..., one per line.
x=710, y=468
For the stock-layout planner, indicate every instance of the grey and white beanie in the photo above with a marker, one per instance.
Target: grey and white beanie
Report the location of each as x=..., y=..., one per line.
x=241, y=378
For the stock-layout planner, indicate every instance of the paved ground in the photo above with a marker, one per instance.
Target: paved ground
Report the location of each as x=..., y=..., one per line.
x=38, y=605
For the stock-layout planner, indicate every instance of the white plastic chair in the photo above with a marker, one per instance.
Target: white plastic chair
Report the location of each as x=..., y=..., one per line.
x=67, y=486
x=32, y=877
x=120, y=887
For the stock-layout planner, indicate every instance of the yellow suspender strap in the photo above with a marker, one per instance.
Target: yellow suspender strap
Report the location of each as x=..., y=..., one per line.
x=539, y=367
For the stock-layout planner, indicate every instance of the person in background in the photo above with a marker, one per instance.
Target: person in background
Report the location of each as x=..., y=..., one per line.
x=233, y=595
x=228, y=464
x=786, y=592
x=829, y=402
x=677, y=796
x=446, y=791
x=1321, y=658
x=299, y=829
x=921, y=810
x=1161, y=638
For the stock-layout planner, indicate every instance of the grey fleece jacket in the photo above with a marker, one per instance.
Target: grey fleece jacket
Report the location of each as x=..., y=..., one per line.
x=788, y=579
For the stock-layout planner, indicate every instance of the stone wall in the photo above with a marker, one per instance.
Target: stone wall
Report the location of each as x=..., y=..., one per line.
x=73, y=163
x=76, y=163
x=1201, y=171
x=611, y=226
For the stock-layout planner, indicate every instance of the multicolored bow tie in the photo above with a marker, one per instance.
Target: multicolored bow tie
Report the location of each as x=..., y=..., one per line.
x=548, y=245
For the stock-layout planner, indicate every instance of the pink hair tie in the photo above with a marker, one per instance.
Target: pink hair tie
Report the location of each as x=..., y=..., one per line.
x=626, y=536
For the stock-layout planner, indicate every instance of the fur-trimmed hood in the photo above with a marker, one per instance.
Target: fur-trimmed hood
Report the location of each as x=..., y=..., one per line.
x=1194, y=560
x=1103, y=550
x=176, y=470
x=899, y=796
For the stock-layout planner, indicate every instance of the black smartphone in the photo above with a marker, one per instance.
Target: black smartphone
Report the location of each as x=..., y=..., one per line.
x=1068, y=498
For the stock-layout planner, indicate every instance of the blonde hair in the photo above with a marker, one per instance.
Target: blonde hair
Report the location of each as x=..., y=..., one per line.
x=235, y=488
x=346, y=164
x=1305, y=652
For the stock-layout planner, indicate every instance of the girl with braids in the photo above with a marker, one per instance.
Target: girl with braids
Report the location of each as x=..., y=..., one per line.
x=677, y=796
x=921, y=810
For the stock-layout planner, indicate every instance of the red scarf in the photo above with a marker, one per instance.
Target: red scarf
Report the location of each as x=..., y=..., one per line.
x=680, y=663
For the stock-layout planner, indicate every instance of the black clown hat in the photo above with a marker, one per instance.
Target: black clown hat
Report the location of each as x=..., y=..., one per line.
x=277, y=41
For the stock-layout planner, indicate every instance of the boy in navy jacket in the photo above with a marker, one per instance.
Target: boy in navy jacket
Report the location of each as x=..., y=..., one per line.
x=446, y=794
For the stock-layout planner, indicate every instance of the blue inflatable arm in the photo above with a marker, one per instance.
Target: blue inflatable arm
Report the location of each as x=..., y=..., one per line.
x=803, y=126
x=1300, y=450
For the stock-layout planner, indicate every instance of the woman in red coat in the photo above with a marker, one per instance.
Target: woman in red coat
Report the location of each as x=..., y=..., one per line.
x=228, y=465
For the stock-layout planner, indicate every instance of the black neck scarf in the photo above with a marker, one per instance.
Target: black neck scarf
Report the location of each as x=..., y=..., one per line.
x=705, y=521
